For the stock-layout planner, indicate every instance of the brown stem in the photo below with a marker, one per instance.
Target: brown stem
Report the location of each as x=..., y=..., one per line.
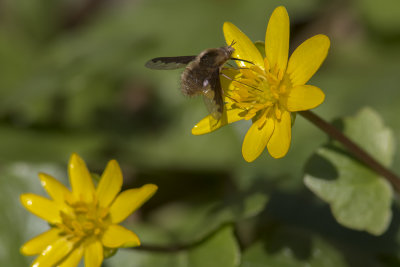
x=166, y=248
x=357, y=151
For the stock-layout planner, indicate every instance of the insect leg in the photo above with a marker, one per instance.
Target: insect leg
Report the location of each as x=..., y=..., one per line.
x=229, y=78
x=238, y=59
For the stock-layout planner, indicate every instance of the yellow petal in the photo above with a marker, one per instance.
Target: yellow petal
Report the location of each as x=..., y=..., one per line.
x=279, y=143
x=244, y=47
x=256, y=139
x=37, y=244
x=80, y=179
x=117, y=236
x=277, y=41
x=304, y=97
x=209, y=123
x=54, y=253
x=56, y=190
x=93, y=254
x=130, y=200
x=42, y=207
x=307, y=58
x=110, y=184
x=73, y=258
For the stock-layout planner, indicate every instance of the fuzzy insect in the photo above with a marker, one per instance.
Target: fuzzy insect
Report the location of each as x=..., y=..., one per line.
x=201, y=75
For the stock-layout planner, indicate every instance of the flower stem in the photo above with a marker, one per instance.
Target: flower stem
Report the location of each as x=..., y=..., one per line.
x=167, y=248
x=356, y=150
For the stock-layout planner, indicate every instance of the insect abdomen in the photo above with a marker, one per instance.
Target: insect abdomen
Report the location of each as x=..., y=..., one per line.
x=192, y=79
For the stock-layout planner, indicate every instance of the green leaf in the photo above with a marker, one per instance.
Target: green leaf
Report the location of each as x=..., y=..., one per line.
x=219, y=250
x=359, y=198
x=213, y=216
x=367, y=130
x=187, y=224
x=286, y=247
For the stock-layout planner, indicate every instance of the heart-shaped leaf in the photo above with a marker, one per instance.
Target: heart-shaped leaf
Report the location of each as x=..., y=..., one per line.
x=359, y=198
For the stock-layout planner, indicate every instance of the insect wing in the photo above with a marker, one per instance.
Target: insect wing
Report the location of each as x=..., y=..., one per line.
x=169, y=63
x=213, y=99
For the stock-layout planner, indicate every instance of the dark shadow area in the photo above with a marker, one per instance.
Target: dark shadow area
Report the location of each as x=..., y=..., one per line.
x=188, y=186
x=318, y=166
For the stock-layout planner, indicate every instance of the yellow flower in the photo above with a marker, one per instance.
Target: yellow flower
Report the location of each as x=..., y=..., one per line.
x=268, y=90
x=84, y=222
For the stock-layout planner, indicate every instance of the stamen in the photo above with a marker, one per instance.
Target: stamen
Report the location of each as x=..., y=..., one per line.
x=278, y=112
x=266, y=65
x=85, y=220
x=257, y=90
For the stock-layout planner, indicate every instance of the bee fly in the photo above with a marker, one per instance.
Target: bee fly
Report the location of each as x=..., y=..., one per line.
x=201, y=74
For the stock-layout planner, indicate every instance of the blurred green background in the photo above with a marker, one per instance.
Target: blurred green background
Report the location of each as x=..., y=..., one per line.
x=72, y=79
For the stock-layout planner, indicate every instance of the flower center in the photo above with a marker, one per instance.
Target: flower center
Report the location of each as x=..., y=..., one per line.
x=255, y=90
x=85, y=220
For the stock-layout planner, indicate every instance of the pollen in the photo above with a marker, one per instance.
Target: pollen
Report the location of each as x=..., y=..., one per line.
x=256, y=90
x=85, y=220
